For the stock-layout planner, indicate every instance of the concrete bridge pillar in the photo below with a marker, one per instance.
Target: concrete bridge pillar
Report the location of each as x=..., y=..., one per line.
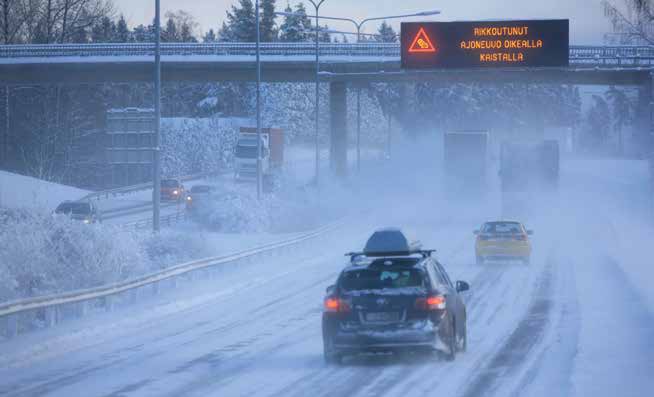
x=645, y=117
x=338, y=125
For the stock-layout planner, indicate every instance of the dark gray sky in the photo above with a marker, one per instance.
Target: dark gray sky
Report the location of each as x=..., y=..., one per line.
x=587, y=21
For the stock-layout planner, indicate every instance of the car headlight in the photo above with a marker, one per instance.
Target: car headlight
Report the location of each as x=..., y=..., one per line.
x=175, y=192
x=87, y=221
x=189, y=198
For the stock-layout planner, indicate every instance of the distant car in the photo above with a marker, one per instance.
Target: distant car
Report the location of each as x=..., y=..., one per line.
x=171, y=189
x=198, y=196
x=501, y=241
x=84, y=211
x=393, y=297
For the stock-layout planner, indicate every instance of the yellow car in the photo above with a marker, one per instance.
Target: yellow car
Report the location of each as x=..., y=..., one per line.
x=502, y=240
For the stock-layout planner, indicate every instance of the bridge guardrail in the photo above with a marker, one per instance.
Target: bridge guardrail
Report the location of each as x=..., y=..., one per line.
x=15, y=315
x=188, y=49
x=579, y=55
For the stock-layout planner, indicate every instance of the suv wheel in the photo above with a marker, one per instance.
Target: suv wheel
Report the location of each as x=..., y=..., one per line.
x=330, y=355
x=462, y=342
x=452, y=345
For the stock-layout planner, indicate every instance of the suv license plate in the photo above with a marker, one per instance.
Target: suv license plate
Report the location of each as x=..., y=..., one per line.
x=382, y=316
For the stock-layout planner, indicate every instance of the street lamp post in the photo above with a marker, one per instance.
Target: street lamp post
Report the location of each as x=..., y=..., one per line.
x=156, y=187
x=358, y=25
x=259, y=171
x=316, y=5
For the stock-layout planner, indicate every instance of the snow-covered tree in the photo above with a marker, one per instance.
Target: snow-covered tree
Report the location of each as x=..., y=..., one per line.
x=180, y=27
x=267, y=25
x=622, y=112
x=295, y=28
x=104, y=31
x=386, y=34
x=143, y=33
x=240, y=24
x=169, y=33
x=122, y=31
x=186, y=34
x=209, y=37
x=633, y=23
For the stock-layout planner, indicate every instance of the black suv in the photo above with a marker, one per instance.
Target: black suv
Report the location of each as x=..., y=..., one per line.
x=393, y=300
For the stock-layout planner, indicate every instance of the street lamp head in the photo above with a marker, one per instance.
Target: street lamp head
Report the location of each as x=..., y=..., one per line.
x=428, y=13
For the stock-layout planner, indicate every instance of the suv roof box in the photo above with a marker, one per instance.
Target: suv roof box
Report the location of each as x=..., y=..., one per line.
x=391, y=241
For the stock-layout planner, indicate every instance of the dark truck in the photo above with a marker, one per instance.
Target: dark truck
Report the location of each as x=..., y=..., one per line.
x=529, y=166
x=465, y=161
x=527, y=171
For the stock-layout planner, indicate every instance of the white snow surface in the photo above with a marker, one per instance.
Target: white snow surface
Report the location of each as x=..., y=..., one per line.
x=576, y=322
x=20, y=191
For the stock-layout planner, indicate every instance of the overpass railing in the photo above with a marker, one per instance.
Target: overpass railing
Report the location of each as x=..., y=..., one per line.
x=612, y=56
x=584, y=56
x=189, y=49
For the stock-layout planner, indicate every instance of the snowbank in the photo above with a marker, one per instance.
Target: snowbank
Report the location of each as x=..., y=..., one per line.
x=19, y=191
x=42, y=254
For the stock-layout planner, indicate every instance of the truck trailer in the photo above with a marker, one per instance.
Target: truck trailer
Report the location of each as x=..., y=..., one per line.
x=465, y=161
x=245, y=153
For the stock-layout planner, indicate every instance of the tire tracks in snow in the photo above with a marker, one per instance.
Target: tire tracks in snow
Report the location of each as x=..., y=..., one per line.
x=515, y=351
x=375, y=375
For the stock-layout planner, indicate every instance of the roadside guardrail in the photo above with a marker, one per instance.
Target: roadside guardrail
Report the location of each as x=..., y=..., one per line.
x=19, y=316
x=167, y=220
x=135, y=188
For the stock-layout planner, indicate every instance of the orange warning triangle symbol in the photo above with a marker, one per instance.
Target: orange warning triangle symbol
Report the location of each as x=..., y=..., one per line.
x=422, y=43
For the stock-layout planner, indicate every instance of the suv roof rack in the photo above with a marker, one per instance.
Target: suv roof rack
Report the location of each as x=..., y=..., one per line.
x=424, y=253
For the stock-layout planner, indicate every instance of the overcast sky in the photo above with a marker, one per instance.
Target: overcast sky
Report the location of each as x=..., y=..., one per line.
x=587, y=21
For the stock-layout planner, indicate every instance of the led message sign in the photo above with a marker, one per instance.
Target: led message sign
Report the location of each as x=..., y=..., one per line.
x=457, y=45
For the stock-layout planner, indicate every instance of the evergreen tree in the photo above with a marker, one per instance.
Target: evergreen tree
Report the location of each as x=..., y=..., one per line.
x=598, y=123
x=386, y=34
x=209, y=37
x=622, y=112
x=305, y=22
x=169, y=34
x=295, y=28
x=267, y=26
x=143, y=33
x=122, y=31
x=186, y=34
x=240, y=24
x=324, y=37
x=104, y=31
x=79, y=35
x=225, y=33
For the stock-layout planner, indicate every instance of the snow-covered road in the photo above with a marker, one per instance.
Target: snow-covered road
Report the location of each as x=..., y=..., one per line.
x=572, y=323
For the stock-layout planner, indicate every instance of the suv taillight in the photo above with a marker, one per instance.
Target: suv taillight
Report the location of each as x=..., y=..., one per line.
x=336, y=305
x=432, y=302
x=521, y=237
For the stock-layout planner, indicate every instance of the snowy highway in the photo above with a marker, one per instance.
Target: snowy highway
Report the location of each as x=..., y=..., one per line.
x=571, y=323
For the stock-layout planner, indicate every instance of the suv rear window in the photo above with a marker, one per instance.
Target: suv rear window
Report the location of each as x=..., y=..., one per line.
x=376, y=279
